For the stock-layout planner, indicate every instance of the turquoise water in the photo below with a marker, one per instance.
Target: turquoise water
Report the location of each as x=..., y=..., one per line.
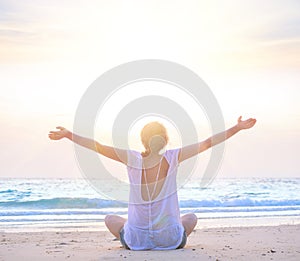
x=74, y=203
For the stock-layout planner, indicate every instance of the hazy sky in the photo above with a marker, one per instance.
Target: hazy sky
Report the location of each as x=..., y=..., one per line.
x=248, y=52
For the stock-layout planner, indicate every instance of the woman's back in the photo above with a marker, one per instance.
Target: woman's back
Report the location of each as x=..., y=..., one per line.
x=154, y=173
x=154, y=223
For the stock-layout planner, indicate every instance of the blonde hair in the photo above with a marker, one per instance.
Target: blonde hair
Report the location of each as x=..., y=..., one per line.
x=150, y=130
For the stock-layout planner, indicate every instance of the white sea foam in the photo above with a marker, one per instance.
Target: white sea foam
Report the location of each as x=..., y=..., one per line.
x=73, y=203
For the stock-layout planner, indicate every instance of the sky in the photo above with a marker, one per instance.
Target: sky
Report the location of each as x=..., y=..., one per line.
x=248, y=52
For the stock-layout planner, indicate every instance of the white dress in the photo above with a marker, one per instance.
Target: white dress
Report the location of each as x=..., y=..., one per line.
x=155, y=224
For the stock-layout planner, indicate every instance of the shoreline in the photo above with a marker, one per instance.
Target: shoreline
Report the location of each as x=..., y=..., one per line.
x=223, y=243
x=203, y=223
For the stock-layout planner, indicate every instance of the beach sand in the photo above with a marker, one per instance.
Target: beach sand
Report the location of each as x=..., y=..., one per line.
x=230, y=243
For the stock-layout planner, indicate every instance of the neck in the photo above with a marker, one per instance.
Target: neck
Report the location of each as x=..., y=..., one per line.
x=151, y=154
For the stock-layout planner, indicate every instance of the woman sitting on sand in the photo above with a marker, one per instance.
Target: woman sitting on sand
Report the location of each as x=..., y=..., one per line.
x=154, y=221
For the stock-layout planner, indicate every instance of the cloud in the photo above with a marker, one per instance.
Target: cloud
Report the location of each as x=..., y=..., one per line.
x=32, y=30
x=283, y=31
x=287, y=29
x=237, y=32
x=15, y=36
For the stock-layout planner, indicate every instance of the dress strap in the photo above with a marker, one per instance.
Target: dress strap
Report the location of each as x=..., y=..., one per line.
x=150, y=197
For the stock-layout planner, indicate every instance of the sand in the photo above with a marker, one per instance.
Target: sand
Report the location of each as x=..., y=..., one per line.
x=234, y=243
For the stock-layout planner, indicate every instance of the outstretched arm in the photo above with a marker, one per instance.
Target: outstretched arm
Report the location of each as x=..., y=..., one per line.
x=192, y=150
x=107, y=151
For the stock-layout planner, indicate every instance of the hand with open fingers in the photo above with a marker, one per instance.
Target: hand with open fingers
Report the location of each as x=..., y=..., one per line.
x=246, y=124
x=57, y=135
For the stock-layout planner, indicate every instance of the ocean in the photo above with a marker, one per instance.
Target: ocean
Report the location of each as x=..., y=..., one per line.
x=46, y=204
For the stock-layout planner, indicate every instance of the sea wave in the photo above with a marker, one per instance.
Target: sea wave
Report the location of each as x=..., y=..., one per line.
x=99, y=203
x=239, y=202
x=64, y=203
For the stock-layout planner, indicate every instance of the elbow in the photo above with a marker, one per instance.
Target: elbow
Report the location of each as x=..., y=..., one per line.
x=98, y=147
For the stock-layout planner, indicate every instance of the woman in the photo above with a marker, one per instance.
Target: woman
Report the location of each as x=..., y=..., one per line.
x=154, y=221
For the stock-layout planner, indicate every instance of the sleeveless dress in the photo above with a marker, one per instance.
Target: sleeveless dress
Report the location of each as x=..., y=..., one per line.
x=156, y=224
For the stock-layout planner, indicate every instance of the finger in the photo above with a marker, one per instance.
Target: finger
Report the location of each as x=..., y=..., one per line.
x=252, y=122
x=240, y=119
x=60, y=128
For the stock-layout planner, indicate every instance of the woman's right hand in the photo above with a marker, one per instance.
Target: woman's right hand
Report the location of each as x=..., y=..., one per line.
x=57, y=135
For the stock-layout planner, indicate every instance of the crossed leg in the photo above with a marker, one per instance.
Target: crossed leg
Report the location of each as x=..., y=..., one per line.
x=114, y=224
x=189, y=221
